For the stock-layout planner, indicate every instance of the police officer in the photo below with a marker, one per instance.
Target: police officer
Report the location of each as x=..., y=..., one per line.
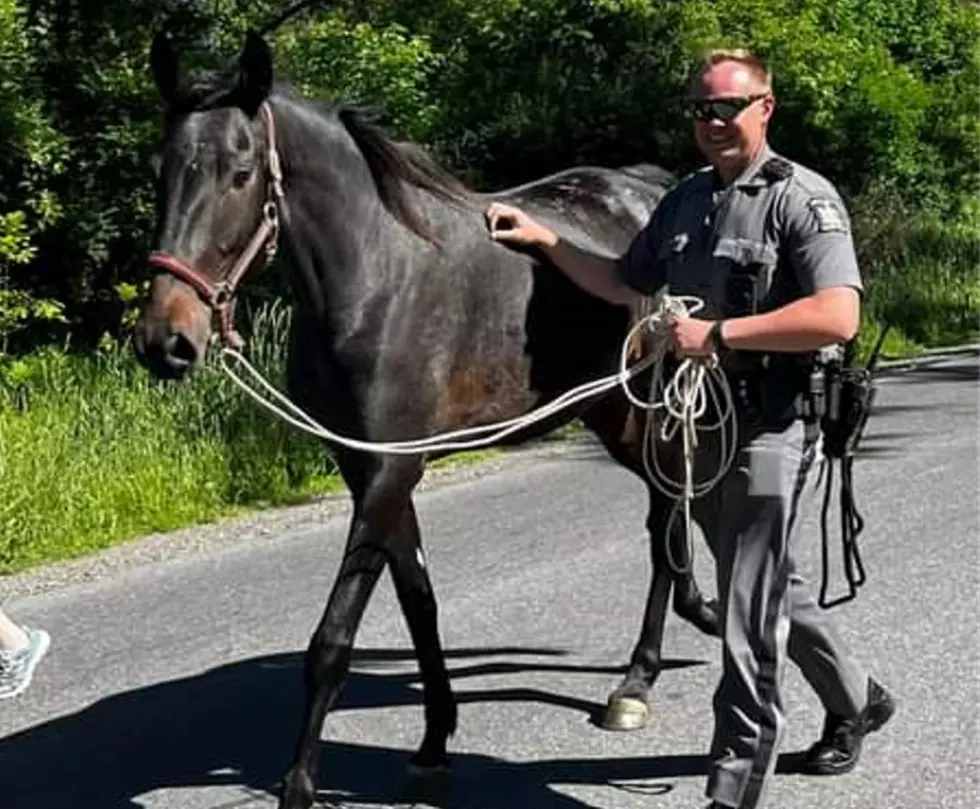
x=766, y=244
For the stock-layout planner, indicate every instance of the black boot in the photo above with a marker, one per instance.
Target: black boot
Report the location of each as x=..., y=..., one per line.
x=839, y=747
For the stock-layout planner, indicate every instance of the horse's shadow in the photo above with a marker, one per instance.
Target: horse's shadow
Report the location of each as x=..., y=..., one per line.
x=235, y=725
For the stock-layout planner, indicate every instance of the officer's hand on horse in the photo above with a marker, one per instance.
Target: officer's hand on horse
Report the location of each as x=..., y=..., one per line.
x=690, y=337
x=513, y=226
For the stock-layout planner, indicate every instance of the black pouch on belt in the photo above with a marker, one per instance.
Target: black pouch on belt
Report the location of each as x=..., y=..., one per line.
x=850, y=392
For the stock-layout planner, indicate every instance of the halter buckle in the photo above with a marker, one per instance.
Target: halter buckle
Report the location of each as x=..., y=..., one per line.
x=221, y=294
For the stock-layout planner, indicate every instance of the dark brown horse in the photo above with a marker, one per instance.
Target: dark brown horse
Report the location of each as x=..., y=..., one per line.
x=409, y=321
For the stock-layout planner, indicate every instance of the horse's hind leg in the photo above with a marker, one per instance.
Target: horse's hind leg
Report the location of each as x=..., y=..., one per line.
x=381, y=497
x=628, y=707
x=418, y=603
x=689, y=603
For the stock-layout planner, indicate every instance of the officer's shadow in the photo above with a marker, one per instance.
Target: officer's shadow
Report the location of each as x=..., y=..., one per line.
x=235, y=726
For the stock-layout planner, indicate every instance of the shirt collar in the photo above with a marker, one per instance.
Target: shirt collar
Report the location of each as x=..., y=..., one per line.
x=749, y=177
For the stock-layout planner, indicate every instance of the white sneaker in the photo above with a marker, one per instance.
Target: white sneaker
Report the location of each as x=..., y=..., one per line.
x=17, y=667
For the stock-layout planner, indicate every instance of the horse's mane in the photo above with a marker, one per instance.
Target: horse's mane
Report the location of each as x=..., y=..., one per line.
x=395, y=165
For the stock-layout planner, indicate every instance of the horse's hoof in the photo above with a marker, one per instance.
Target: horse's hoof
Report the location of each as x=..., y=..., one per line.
x=298, y=791
x=625, y=713
x=296, y=799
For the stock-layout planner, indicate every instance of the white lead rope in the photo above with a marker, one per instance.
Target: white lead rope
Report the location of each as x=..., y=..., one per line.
x=684, y=399
x=695, y=385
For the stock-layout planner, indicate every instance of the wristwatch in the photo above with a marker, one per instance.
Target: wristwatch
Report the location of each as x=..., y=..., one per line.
x=715, y=335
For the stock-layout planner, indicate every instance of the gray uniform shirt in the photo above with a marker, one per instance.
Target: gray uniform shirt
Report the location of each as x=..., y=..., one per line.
x=777, y=233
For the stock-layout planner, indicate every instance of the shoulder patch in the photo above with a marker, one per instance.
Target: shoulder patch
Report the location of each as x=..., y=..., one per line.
x=829, y=216
x=776, y=168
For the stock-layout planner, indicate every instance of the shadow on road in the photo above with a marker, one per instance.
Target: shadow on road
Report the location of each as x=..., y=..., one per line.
x=965, y=371
x=235, y=725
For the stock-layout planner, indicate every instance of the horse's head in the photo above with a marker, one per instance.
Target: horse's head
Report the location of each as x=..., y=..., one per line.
x=218, y=188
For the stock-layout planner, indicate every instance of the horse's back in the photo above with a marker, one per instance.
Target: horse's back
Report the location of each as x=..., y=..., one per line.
x=599, y=209
x=526, y=332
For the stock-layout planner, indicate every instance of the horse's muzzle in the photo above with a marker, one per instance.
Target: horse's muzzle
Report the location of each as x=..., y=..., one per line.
x=166, y=353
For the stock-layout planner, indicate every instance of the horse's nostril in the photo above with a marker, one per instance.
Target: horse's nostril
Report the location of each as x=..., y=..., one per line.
x=180, y=351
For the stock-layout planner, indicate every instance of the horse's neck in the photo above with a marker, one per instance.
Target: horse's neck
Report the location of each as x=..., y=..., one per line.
x=333, y=214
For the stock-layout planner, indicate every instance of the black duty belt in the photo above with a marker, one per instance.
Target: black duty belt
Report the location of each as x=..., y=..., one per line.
x=773, y=389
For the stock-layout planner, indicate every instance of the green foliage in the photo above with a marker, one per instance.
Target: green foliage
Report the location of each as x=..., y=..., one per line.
x=922, y=272
x=15, y=241
x=31, y=154
x=867, y=88
x=334, y=58
x=530, y=87
x=85, y=101
x=18, y=309
x=502, y=90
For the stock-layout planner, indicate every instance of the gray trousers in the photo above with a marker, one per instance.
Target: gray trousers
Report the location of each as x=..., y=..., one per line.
x=768, y=613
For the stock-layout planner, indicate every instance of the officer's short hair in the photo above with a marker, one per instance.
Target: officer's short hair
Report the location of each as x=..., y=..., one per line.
x=753, y=62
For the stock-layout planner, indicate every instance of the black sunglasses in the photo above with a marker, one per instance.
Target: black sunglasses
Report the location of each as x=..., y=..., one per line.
x=724, y=109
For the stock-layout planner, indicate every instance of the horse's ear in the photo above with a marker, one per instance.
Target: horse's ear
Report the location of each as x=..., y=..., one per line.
x=254, y=73
x=163, y=65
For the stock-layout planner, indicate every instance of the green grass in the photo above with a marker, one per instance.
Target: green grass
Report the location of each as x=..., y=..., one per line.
x=93, y=451
x=930, y=304
x=922, y=278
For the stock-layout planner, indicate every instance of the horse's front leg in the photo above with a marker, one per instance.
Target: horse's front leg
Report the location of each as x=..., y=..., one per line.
x=418, y=603
x=378, y=514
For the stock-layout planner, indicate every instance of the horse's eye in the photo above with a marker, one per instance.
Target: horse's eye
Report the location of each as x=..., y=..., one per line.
x=241, y=178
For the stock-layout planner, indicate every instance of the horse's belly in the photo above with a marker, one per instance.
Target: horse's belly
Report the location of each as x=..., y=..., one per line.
x=485, y=390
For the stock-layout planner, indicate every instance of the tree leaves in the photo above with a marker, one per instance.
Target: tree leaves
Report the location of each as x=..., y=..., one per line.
x=869, y=91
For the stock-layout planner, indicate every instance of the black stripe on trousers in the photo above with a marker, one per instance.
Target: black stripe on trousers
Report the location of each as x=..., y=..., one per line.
x=767, y=670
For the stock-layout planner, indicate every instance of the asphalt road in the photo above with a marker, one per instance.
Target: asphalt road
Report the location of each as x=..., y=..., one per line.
x=176, y=684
